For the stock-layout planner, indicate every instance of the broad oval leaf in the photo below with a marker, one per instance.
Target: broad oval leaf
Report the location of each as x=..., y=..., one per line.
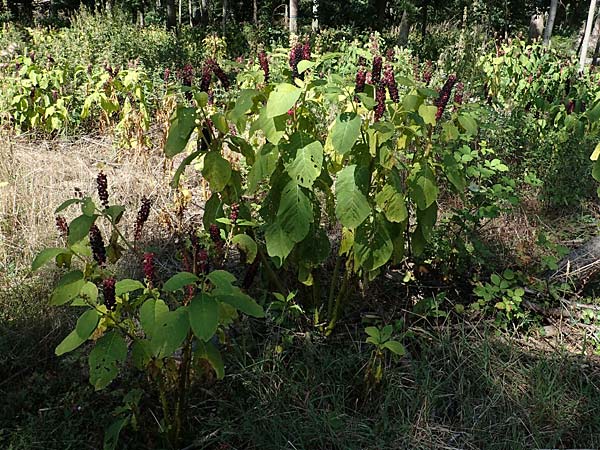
x=217, y=170
x=344, y=132
x=306, y=166
x=295, y=212
x=80, y=227
x=110, y=350
x=180, y=280
x=150, y=311
x=86, y=324
x=46, y=255
x=170, y=331
x=242, y=302
x=68, y=288
x=373, y=246
x=127, y=285
x=282, y=99
x=180, y=130
x=203, y=312
x=352, y=207
x=247, y=245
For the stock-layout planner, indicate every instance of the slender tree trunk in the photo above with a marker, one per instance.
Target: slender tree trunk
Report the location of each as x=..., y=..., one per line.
x=191, y=13
x=204, y=12
x=180, y=12
x=294, y=16
x=550, y=24
x=596, y=53
x=171, y=14
x=586, y=36
x=315, y=14
x=424, y=7
x=255, y=12
x=225, y=12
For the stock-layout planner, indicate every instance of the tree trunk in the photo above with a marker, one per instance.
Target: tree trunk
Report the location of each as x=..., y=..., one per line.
x=225, y=12
x=171, y=14
x=191, y=12
x=404, y=29
x=180, y=12
x=536, y=26
x=294, y=16
x=424, y=7
x=315, y=14
x=586, y=36
x=550, y=24
x=255, y=12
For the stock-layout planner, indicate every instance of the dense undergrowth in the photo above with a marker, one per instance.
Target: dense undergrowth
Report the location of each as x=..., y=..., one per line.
x=326, y=269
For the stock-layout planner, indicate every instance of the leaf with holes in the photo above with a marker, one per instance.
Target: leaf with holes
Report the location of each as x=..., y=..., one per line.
x=110, y=350
x=306, y=166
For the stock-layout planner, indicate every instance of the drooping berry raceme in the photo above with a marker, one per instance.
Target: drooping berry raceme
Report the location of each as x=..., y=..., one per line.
x=380, y=99
x=376, y=72
x=202, y=261
x=102, y=187
x=444, y=96
x=215, y=233
x=61, y=226
x=206, y=77
x=264, y=64
x=148, y=266
x=234, y=213
x=361, y=79
x=390, y=55
x=390, y=82
x=97, y=245
x=306, y=50
x=142, y=217
x=108, y=289
x=187, y=75
x=220, y=74
x=295, y=57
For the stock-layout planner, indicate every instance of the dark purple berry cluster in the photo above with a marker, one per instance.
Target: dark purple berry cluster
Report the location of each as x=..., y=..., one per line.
x=97, y=245
x=427, y=72
x=187, y=75
x=102, y=187
x=444, y=96
x=390, y=81
x=264, y=64
x=61, y=226
x=148, y=266
x=361, y=79
x=380, y=99
x=206, y=77
x=142, y=217
x=459, y=93
x=306, y=50
x=219, y=73
x=108, y=289
x=202, y=261
x=376, y=72
x=234, y=213
x=296, y=54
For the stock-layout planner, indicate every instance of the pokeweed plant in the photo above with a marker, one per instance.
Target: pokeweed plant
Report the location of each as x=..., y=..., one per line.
x=325, y=154
x=168, y=331
x=381, y=340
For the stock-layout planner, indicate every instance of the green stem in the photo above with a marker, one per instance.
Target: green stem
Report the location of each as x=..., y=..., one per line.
x=165, y=406
x=181, y=407
x=270, y=274
x=336, y=274
x=338, y=303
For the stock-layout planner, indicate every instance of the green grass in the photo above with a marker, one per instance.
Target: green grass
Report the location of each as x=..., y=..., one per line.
x=459, y=386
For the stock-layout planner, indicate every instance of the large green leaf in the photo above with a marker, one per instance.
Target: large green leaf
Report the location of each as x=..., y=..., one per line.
x=424, y=190
x=243, y=104
x=247, y=245
x=428, y=113
x=68, y=288
x=242, y=302
x=391, y=201
x=86, y=324
x=373, y=245
x=217, y=170
x=150, y=311
x=344, y=132
x=272, y=127
x=111, y=435
x=170, y=331
x=426, y=219
x=127, y=285
x=110, y=350
x=80, y=227
x=282, y=99
x=210, y=353
x=295, y=212
x=204, y=316
x=352, y=207
x=306, y=166
x=182, y=125
x=46, y=255
x=279, y=244
x=180, y=280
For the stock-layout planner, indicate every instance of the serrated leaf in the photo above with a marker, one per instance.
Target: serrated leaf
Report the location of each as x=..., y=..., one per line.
x=352, y=207
x=203, y=313
x=180, y=280
x=344, y=132
x=86, y=324
x=282, y=99
x=109, y=351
